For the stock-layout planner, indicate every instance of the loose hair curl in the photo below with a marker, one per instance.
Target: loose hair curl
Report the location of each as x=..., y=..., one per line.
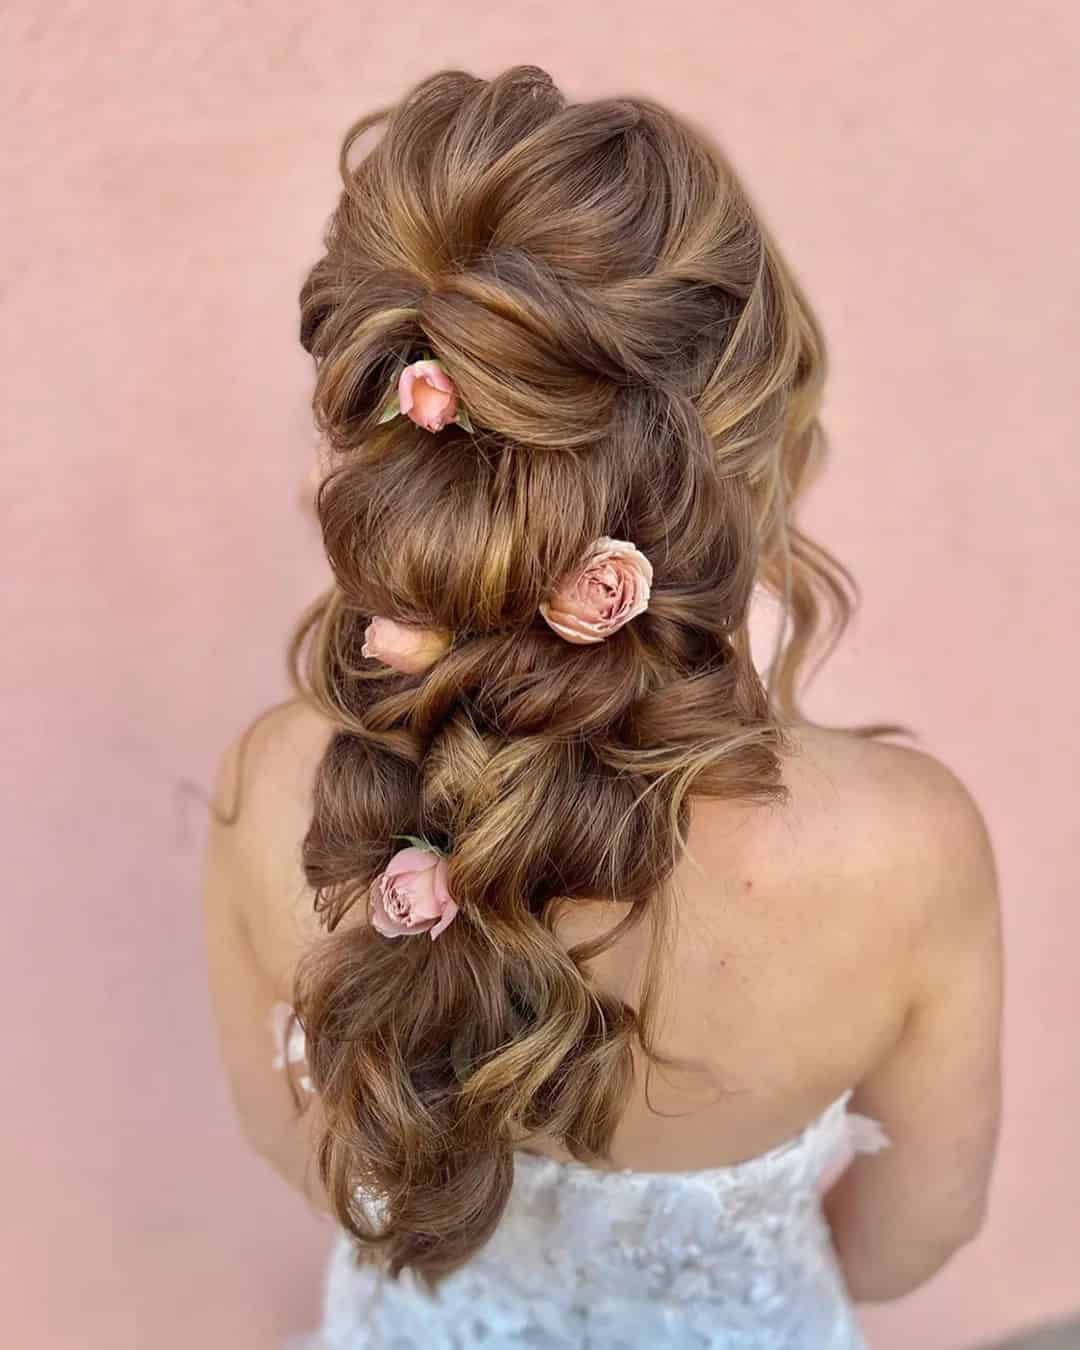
x=638, y=362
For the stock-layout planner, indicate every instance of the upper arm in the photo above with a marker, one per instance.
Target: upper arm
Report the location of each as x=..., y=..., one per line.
x=239, y=881
x=938, y=1092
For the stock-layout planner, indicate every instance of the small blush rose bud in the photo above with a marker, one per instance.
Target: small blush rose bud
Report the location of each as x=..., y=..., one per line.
x=427, y=395
x=406, y=647
x=609, y=587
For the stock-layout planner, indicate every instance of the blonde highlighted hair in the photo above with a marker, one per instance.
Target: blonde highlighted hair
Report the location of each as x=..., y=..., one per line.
x=637, y=362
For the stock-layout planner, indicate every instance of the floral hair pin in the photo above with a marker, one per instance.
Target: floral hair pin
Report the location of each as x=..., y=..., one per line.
x=405, y=647
x=427, y=396
x=609, y=587
x=412, y=894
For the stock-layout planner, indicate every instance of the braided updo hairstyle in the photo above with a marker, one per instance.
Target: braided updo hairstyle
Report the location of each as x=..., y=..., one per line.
x=637, y=362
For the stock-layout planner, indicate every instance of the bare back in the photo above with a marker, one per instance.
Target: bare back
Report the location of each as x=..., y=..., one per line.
x=848, y=939
x=790, y=973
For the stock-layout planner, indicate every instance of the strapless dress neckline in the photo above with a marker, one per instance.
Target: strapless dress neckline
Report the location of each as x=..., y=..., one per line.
x=617, y=1258
x=865, y=1127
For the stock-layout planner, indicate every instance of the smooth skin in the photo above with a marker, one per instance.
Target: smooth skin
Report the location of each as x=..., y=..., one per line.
x=849, y=939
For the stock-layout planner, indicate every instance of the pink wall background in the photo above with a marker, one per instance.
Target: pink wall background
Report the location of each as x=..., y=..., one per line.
x=168, y=170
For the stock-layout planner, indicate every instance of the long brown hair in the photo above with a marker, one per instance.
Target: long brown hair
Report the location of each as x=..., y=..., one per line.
x=636, y=361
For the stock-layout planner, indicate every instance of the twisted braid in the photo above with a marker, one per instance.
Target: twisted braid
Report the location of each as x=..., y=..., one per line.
x=637, y=363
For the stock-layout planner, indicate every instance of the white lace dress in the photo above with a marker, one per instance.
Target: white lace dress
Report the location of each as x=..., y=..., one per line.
x=737, y=1257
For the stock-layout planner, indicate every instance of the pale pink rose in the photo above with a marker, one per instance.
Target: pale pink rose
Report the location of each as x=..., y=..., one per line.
x=412, y=895
x=427, y=395
x=406, y=647
x=609, y=587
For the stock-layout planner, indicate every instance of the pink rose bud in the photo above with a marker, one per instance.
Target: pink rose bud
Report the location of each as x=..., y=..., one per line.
x=609, y=587
x=427, y=395
x=406, y=647
x=412, y=895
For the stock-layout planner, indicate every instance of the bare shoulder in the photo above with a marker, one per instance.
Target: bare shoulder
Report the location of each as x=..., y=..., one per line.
x=277, y=755
x=910, y=823
x=941, y=823
x=264, y=795
x=937, y=1089
x=908, y=804
x=267, y=773
x=899, y=774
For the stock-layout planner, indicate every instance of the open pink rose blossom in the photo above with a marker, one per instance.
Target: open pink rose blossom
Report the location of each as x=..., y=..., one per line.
x=406, y=647
x=608, y=588
x=412, y=895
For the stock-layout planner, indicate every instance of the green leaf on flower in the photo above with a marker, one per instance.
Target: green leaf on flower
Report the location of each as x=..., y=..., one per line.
x=393, y=409
x=462, y=419
x=418, y=842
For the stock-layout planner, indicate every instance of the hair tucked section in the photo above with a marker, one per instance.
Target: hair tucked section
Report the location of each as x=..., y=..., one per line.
x=638, y=365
